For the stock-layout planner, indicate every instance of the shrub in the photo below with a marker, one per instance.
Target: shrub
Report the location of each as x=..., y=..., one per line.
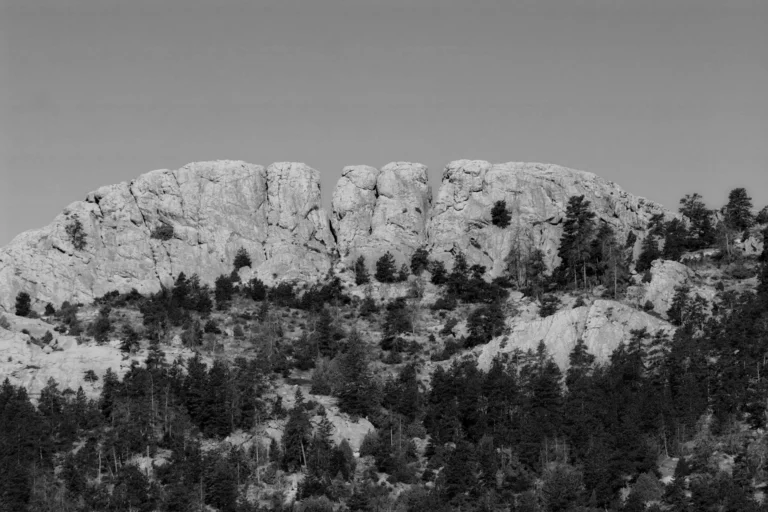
x=447, y=329
x=164, y=232
x=404, y=273
x=76, y=234
x=23, y=304
x=49, y=310
x=499, y=215
x=256, y=289
x=549, y=305
x=47, y=337
x=648, y=306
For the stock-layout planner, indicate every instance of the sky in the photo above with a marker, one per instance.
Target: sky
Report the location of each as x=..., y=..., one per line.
x=664, y=97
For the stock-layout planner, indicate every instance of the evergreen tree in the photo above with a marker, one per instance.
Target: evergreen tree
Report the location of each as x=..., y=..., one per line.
x=358, y=394
x=675, y=238
x=438, y=272
x=738, y=211
x=23, y=304
x=296, y=436
x=499, y=215
x=701, y=232
x=361, y=271
x=485, y=323
x=574, y=250
x=419, y=261
x=650, y=252
x=385, y=268
x=762, y=216
x=223, y=292
x=325, y=334
x=242, y=259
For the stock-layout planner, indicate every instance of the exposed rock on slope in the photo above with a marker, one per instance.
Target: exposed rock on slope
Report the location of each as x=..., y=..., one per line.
x=213, y=208
x=375, y=211
x=666, y=276
x=603, y=326
x=536, y=196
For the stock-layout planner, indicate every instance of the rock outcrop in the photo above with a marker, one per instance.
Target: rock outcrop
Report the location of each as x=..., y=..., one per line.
x=603, y=325
x=375, y=211
x=143, y=233
x=536, y=196
x=666, y=277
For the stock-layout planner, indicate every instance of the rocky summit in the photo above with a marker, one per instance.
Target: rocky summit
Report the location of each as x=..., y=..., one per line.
x=142, y=234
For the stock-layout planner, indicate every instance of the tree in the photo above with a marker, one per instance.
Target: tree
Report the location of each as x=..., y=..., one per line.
x=23, y=304
x=649, y=253
x=358, y=394
x=675, y=237
x=223, y=291
x=242, y=259
x=296, y=436
x=439, y=274
x=701, y=233
x=574, y=250
x=485, y=323
x=419, y=261
x=762, y=216
x=385, y=269
x=738, y=211
x=76, y=234
x=499, y=215
x=361, y=271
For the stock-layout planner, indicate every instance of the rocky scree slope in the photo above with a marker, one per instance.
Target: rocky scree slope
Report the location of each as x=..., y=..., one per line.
x=141, y=234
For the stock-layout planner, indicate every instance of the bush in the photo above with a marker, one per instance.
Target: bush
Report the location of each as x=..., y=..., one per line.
x=23, y=304
x=648, y=306
x=370, y=444
x=76, y=234
x=385, y=269
x=439, y=274
x=447, y=303
x=164, y=232
x=49, y=310
x=549, y=305
x=242, y=259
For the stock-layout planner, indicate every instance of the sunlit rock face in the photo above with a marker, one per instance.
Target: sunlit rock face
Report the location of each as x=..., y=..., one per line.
x=536, y=195
x=208, y=210
x=380, y=210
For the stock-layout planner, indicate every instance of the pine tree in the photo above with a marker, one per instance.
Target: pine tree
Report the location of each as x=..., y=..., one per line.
x=296, y=436
x=499, y=215
x=438, y=273
x=358, y=394
x=224, y=292
x=650, y=252
x=242, y=259
x=385, y=268
x=23, y=304
x=419, y=261
x=361, y=271
x=574, y=250
x=738, y=211
x=701, y=233
x=675, y=237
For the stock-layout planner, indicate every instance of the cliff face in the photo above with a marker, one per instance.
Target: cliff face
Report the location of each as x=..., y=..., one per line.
x=536, y=196
x=209, y=210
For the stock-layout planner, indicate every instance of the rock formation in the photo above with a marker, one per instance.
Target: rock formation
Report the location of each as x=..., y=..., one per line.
x=603, y=326
x=666, y=276
x=375, y=211
x=193, y=220
x=142, y=234
x=536, y=196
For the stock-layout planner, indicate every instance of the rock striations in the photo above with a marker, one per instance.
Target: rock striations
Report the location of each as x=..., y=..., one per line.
x=143, y=233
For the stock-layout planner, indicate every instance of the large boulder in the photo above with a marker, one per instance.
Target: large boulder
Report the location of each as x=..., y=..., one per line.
x=603, y=325
x=144, y=233
x=375, y=211
x=537, y=196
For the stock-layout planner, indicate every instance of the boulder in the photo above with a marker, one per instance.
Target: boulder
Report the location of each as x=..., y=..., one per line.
x=537, y=196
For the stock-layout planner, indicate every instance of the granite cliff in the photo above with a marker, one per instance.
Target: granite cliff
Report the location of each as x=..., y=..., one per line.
x=141, y=234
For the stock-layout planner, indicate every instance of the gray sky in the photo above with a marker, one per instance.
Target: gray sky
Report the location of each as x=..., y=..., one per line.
x=664, y=97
